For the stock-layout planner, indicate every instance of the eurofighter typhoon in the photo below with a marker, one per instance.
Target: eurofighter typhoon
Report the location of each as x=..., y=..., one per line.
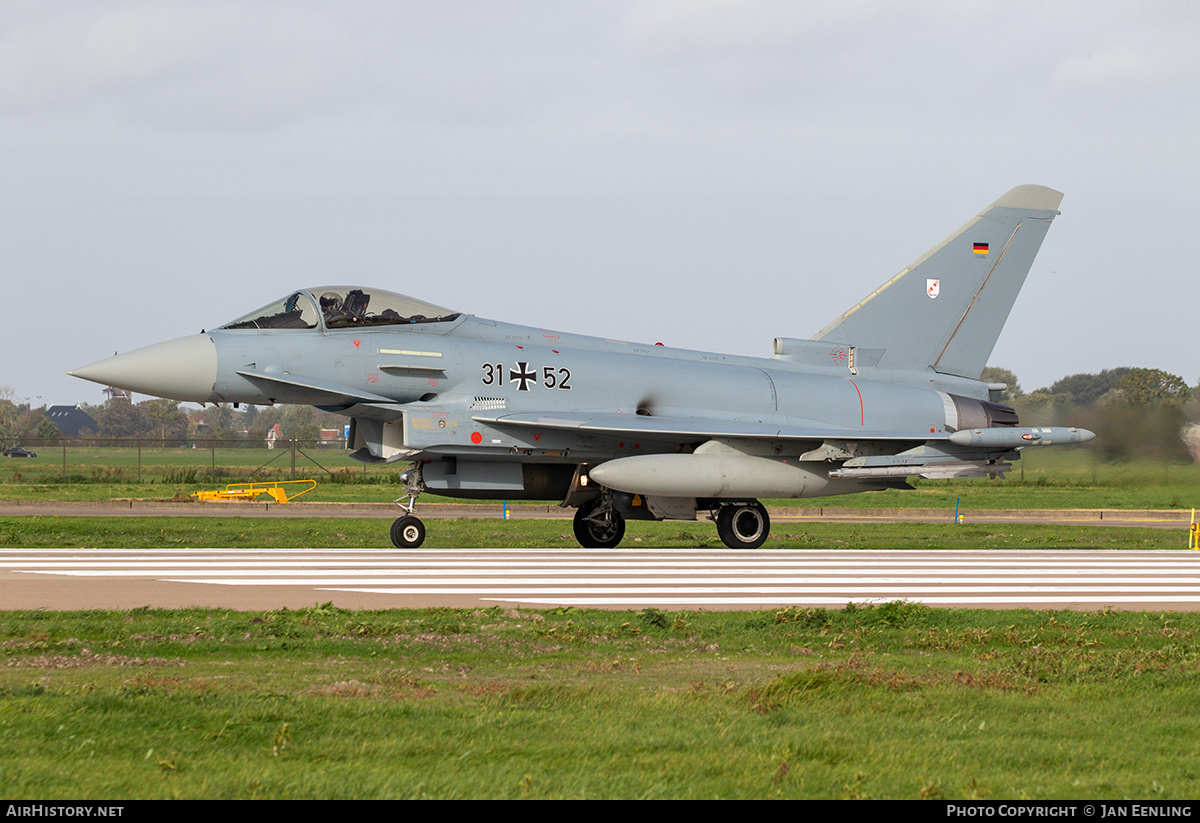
x=625, y=431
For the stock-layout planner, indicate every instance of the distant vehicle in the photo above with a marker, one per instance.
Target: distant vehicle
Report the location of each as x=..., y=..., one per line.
x=625, y=431
x=19, y=451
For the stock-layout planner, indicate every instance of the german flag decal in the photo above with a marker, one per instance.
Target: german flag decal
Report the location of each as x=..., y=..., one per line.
x=981, y=248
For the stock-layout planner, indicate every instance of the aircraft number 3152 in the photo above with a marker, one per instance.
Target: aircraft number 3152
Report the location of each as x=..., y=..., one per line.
x=524, y=376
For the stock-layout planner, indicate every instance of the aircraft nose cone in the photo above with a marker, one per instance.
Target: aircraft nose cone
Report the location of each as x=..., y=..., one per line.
x=183, y=369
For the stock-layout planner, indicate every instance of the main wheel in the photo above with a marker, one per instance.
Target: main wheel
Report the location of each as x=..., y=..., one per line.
x=408, y=532
x=596, y=530
x=743, y=527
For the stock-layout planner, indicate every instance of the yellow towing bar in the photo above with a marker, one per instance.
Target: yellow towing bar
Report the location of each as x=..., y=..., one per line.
x=282, y=491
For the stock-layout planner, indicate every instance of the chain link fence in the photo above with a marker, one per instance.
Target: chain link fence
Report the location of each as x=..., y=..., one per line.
x=95, y=459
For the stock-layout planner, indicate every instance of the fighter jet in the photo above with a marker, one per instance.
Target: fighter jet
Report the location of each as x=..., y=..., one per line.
x=629, y=431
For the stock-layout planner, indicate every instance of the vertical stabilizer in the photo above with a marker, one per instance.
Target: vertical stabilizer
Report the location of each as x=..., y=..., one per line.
x=945, y=311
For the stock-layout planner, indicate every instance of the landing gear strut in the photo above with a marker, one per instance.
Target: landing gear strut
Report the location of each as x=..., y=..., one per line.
x=598, y=525
x=743, y=525
x=408, y=532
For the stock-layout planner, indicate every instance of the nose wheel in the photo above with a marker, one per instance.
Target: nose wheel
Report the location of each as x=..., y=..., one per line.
x=743, y=526
x=408, y=532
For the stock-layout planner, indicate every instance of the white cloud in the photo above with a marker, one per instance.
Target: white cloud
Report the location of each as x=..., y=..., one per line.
x=164, y=61
x=708, y=27
x=233, y=66
x=1115, y=65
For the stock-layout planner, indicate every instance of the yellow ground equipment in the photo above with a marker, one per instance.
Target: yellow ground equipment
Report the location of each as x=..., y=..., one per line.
x=282, y=491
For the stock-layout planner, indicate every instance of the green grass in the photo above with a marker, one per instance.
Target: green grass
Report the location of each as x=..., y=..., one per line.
x=42, y=531
x=896, y=700
x=1050, y=479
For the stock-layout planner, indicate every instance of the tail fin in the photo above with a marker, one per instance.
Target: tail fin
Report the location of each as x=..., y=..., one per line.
x=945, y=311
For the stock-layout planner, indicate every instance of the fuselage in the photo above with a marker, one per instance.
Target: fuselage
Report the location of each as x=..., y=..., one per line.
x=497, y=409
x=435, y=377
x=443, y=374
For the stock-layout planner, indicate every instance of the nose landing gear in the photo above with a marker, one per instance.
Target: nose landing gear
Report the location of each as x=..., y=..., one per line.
x=408, y=532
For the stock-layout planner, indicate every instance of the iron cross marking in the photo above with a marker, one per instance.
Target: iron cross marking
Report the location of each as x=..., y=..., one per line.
x=523, y=375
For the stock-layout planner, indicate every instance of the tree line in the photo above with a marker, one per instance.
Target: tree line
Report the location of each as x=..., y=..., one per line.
x=166, y=422
x=1135, y=412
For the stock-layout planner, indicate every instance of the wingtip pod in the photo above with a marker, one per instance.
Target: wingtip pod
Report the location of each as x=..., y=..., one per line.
x=1030, y=197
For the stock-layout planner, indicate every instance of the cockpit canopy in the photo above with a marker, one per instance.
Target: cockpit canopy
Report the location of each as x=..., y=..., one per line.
x=342, y=307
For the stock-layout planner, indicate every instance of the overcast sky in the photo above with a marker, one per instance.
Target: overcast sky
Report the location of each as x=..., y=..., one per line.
x=705, y=173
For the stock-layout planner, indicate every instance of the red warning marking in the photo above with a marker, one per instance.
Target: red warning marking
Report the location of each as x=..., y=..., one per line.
x=357, y=343
x=476, y=438
x=862, y=414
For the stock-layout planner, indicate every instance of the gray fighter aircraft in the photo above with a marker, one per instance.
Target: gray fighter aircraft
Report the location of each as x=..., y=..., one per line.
x=622, y=431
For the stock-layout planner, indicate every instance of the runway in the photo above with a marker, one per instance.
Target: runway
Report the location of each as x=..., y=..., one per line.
x=673, y=579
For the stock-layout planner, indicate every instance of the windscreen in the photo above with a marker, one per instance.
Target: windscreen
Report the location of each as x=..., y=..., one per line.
x=296, y=311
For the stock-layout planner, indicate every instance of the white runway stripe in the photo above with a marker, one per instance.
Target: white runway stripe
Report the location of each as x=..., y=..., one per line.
x=677, y=578
x=285, y=577
x=813, y=565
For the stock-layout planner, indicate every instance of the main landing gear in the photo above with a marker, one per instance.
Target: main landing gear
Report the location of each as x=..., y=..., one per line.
x=598, y=525
x=743, y=525
x=740, y=525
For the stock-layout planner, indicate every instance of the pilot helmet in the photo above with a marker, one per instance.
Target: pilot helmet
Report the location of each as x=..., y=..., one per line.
x=331, y=301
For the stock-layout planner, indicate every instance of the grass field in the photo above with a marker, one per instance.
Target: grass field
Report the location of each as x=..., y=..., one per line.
x=241, y=532
x=895, y=700
x=1063, y=479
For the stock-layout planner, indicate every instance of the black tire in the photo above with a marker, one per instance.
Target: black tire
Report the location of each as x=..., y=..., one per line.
x=743, y=527
x=598, y=532
x=408, y=532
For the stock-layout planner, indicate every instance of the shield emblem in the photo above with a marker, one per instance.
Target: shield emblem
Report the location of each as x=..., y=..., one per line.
x=933, y=288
